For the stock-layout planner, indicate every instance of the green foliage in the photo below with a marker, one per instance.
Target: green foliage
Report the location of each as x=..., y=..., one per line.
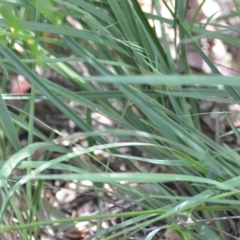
x=115, y=42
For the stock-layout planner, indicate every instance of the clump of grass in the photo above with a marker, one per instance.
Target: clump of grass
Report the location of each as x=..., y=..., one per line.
x=120, y=55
